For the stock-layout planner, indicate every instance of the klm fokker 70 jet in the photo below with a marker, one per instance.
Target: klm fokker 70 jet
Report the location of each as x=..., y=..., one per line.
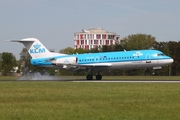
x=94, y=61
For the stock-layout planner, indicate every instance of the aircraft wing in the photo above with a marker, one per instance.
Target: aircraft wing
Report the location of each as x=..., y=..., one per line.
x=86, y=67
x=95, y=65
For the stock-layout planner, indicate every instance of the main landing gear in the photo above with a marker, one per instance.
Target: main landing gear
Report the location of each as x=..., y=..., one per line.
x=90, y=77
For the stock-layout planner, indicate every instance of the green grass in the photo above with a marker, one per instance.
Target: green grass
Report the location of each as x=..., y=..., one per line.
x=55, y=100
x=8, y=78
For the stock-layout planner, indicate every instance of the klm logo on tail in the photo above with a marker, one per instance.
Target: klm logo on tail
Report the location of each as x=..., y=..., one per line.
x=37, y=49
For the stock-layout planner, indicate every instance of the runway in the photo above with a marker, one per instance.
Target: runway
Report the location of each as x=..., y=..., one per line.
x=128, y=81
x=123, y=79
x=97, y=81
x=107, y=79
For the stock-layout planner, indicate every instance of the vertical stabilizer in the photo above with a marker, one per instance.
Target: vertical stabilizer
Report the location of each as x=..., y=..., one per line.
x=35, y=48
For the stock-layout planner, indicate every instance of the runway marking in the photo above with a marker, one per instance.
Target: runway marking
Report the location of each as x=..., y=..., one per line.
x=130, y=81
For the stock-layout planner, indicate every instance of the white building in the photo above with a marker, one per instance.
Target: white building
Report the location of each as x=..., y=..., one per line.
x=95, y=37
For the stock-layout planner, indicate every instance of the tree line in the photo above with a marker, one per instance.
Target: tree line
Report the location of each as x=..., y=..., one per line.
x=131, y=42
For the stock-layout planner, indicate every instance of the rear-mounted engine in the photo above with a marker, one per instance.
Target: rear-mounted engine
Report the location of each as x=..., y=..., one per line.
x=65, y=61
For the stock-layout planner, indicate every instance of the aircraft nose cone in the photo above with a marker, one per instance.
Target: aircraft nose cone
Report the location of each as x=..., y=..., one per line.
x=171, y=60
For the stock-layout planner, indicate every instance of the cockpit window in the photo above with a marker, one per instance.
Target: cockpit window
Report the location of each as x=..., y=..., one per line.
x=161, y=54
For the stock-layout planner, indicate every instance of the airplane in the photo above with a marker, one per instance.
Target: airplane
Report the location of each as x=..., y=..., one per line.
x=91, y=62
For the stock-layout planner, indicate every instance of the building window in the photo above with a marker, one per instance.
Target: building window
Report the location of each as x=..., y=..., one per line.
x=85, y=42
x=95, y=41
x=77, y=42
x=87, y=36
x=91, y=41
x=82, y=42
x=98, y=36
x=107, y=42
x=86, y=47
x=110, y=36
x=77, y=36
x=90, y=36
x=81, y=36
x=103, y=36
x=111, y=42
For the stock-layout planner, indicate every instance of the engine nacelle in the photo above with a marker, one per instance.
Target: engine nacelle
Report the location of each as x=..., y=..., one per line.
x=65, y=61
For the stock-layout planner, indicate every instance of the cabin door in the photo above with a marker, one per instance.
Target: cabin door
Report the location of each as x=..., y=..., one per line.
x=96, y=59
x=148, y=58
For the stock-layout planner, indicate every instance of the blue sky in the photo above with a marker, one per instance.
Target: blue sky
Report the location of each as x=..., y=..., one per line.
x=54, y=22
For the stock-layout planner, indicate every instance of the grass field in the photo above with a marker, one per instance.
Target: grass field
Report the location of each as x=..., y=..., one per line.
x=57, y=100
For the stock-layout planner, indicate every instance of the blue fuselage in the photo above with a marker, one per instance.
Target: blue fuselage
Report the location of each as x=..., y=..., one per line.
x=109, y=60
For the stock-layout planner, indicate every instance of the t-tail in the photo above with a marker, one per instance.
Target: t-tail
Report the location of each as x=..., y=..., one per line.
x=36, y=49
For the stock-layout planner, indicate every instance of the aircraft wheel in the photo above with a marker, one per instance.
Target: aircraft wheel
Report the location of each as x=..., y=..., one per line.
x=98, y=77
x=89, y=77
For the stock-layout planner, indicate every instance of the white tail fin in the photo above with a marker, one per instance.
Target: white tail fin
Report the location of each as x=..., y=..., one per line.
x=35, y=48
